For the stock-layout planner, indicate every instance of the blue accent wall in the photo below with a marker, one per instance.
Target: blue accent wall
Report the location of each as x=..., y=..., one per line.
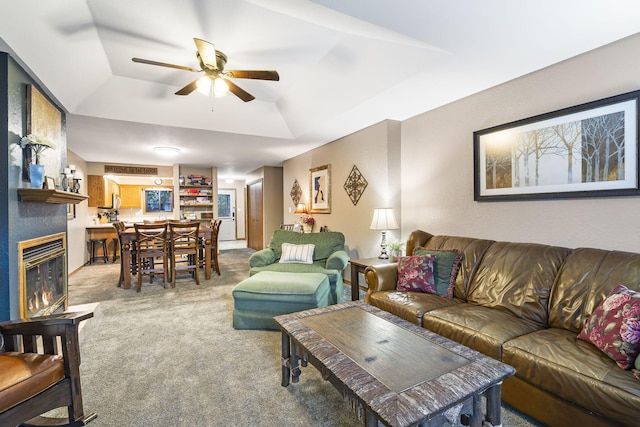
x=19, y=220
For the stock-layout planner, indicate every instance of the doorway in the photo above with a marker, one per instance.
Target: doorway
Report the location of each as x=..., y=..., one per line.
x=227, y=214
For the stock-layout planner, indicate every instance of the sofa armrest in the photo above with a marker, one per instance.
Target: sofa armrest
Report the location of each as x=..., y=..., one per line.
x=262, y=258
x=380, y=278
x=338, y=260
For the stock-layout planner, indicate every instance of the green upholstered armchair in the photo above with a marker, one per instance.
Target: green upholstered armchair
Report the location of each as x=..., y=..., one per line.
x=329, y=257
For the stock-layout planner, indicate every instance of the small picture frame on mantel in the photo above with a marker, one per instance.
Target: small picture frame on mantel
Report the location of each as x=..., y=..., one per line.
x=49, y=183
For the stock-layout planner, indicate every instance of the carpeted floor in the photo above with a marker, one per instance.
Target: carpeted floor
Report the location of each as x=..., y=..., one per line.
x=170, y=357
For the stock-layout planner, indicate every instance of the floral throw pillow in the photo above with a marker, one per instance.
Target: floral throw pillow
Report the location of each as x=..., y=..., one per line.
x=415, y=273
x=614, y=326
x=445, y=268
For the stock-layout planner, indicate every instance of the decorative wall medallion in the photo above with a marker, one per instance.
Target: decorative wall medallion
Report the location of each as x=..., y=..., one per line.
x=296, y=193
x=355, y=185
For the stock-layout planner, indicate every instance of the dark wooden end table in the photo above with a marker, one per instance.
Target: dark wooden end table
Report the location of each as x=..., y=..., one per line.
x=392, y=370
x=358, y=266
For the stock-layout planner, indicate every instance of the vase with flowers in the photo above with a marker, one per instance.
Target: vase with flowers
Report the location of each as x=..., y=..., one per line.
x=37, y=144
x=307, y=224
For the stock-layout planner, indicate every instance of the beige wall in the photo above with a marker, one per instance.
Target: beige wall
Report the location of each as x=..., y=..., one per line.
x=76, y=227
x=431, y=155
x=437, y=159
x=375, y=151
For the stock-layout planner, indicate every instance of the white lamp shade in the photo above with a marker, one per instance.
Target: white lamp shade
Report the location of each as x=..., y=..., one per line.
x=384, y=219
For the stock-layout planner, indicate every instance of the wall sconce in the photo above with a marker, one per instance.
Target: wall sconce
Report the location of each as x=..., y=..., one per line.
x=384, y=220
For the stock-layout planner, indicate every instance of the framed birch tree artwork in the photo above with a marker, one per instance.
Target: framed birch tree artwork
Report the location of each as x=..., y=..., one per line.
x=583, y=151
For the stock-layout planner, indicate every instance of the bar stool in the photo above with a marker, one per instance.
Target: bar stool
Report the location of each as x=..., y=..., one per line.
x=116, y=245
x=92, y=250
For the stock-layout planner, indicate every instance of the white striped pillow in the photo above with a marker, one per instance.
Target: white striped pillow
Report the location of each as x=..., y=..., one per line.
x=299, y=254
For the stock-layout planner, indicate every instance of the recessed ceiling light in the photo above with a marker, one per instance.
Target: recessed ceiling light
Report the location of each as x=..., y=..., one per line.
x=167, y=151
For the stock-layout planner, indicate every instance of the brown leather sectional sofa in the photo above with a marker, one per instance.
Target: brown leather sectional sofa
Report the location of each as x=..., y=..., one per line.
x=525, y=304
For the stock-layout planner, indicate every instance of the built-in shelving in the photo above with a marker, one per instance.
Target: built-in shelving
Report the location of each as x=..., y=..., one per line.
x=196, y=199
x=50, y=196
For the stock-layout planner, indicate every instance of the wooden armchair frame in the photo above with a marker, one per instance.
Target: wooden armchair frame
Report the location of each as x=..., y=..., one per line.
x=51, y=335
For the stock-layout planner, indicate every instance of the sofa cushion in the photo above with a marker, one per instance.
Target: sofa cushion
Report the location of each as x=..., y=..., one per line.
x=300, y=254
x=415, y=273
x=614, y=326
x=517, y=277
x=483, y=329
x=556, y=361
x=445, y=268
x=585, y=279
x=410, y=306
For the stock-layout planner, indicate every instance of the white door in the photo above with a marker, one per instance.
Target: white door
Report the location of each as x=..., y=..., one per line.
x=227, y=213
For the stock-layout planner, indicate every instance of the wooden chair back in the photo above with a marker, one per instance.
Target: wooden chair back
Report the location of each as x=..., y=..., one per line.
x=151, y=243
x=184, y=247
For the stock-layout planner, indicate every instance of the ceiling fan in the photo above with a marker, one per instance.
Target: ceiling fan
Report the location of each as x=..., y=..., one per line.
x=215, y=80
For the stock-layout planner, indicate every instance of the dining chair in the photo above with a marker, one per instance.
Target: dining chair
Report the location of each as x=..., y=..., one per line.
x=184, y=249
x=151, y=243
x=120, y=228
x=286, y=227
x=215, y=231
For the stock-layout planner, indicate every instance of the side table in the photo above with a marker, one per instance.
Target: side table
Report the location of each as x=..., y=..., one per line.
x=358, y=266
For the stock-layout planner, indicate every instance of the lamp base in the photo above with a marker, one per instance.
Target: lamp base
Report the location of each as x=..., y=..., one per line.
x=383, y=246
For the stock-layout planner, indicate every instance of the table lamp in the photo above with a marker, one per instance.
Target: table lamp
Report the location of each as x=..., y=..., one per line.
x=384, y=220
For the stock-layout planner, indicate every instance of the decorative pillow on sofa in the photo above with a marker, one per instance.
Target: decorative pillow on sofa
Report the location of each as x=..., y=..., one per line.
x=297, y=254
x=614, y=326
x=446, y=267
x=415, y=273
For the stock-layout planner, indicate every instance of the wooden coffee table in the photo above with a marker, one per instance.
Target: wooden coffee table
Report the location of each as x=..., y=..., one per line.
x=391, y=370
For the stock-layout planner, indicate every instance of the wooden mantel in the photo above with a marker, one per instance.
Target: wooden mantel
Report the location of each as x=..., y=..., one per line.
x=50, y=196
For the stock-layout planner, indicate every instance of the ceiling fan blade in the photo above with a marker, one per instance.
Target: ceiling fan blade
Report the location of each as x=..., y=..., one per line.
x=164, y=64
x=207, y=54
x=253, y=74
x=189, y=88
x=239, y=92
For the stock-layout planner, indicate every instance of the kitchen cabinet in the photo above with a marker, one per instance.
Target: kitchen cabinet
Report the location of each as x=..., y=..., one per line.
x=131, y=196
x=100, y=190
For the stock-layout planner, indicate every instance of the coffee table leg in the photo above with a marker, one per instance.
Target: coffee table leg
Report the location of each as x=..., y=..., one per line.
x=476, y=418
x=295, y=369
x=286, y=359
x=370, y=419
x=493, y=404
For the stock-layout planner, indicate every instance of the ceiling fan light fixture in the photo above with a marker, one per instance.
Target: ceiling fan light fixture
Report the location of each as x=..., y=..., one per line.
x=167, y=151
x=204, y=85
x=220, y=87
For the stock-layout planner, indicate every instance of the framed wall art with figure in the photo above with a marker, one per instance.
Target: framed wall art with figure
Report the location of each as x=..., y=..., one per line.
x=320, y=189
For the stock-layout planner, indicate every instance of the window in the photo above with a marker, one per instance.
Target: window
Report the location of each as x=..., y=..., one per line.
x=224, y=206
x=158, y=200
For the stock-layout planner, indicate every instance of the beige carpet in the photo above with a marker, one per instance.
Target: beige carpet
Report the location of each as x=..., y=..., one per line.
x=170, y=357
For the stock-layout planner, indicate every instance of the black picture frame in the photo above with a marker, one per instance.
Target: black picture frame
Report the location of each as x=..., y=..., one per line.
x=562, y=154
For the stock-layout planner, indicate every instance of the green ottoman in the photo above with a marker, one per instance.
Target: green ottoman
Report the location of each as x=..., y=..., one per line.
x=271, y=293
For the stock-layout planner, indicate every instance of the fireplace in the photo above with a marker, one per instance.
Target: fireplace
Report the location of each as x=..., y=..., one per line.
x=43, y=275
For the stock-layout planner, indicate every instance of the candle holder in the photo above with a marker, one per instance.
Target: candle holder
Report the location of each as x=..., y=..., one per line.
x=69, y=182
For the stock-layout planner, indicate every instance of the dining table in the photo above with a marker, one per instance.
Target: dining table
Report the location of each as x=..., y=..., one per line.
x=128, y=238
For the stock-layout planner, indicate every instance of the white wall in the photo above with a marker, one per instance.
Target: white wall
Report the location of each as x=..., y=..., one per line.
x=437, y=159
